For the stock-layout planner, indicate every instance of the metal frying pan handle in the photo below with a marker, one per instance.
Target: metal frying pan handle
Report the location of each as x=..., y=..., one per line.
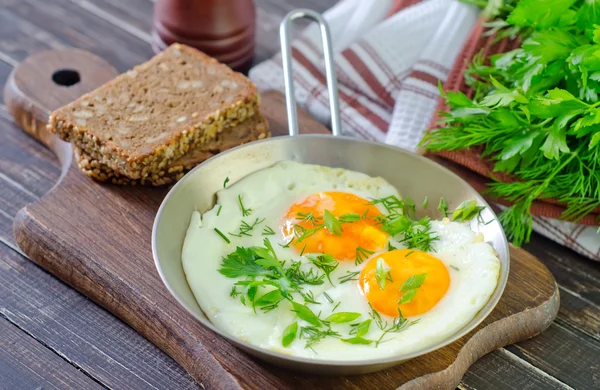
x=286, y=55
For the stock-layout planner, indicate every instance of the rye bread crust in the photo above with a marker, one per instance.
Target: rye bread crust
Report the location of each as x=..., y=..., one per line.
x=144, y=119
x=252, y=129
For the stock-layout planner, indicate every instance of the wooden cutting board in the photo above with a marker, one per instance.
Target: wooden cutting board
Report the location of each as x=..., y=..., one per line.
x=97, y=239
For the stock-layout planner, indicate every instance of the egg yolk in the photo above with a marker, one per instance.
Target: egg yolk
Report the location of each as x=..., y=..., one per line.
x=304, y=223
x=402, y=264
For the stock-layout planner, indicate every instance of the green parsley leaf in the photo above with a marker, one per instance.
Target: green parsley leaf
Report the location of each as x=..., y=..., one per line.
x=241, y=263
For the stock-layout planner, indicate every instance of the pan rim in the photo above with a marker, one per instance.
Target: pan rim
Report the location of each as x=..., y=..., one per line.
x=386, y=361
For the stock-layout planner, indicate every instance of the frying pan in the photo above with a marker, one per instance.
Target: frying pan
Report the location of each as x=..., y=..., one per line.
x=413, y=175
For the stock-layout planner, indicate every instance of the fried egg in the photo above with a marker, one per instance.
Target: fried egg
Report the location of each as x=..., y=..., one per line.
x=306, y=211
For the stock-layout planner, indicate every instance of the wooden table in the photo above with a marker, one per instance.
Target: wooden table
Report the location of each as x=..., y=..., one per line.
x=53, y=337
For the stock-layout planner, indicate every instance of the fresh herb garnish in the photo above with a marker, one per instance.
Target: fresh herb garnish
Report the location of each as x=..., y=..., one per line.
x=454, y=267
x=336, y=306
x=304, y=313
x=326, y=263
x=409, y=288
x=357, y=340
x=398, y=324
x=246, y=228
x=219, y=209
x=313, y=334
x=267, y=231
x=443, y=207
x=534, y=112
x=342, y=317
x=289, y=334
x=393, y=205
x=309, y=297
x=419, y=236
x=466, y=211
x=301, y=233
x=296, y=275
x=269, y=301
x=224, y=237
x=346, y=218
x=308, y=217
x=225, y=182
x=287, y=244
x=245, y=212
x=332, y=224
x=234, y=292
x=361, y=328
x=361, y=255
x=382, y=271
x=350, y=275
x=302, y=251
x=399, y=223
x=425, y=202
x=327, y=297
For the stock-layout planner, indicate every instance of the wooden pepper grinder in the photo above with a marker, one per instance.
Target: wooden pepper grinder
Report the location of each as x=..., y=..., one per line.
x=223, y=29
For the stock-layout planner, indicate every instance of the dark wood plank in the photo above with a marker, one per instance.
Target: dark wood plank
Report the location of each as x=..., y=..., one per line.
x=580, y=314
x=502, y=370
x=133, y=16
x=577, y=278
x=566, y=354
x=574, y=272
x=40, y=24
x=27, y=364
x=74, y=327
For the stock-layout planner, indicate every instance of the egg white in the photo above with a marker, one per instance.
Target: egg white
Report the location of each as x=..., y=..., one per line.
x=472, y=264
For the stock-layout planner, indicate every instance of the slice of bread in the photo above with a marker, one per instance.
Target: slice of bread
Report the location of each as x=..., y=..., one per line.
x=144, y=119
x=252, y=129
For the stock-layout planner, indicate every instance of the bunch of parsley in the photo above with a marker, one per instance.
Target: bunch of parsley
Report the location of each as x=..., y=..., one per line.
x=535, y=111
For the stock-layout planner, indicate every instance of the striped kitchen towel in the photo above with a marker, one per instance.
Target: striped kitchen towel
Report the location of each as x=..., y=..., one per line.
x=389, y=57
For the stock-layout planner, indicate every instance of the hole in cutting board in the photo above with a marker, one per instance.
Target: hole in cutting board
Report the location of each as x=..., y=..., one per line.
x=66, y=77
